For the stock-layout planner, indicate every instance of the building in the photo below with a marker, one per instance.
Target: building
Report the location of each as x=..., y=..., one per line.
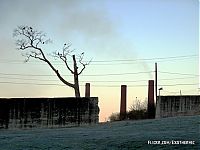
x=182, y=105
x=48, y=112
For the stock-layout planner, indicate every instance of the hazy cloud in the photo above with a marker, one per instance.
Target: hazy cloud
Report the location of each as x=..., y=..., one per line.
x=86, y=22
x=89, y=22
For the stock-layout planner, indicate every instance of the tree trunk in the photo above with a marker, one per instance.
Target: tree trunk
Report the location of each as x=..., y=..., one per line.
x=76, y=86
x=76, y=82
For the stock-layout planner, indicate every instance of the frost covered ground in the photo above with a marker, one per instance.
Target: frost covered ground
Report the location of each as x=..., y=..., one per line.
x=116, y=135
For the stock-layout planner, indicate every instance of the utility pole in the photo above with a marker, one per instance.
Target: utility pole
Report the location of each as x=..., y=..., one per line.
x=156, y=81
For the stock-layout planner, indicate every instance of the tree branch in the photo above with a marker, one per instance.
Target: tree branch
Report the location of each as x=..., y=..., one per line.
x=63, y=56
x=31, y=40
x=53, y=68
x=83, y=64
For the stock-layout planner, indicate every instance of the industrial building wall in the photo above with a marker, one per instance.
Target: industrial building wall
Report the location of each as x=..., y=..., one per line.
x=170, y=106
x=47, y=112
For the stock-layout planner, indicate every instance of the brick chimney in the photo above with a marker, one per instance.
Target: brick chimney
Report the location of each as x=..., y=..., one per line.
x=151, y=105
x=87, y=90
x=123, y=102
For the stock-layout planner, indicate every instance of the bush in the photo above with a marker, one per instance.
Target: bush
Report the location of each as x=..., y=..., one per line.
x=137, y=111
x=114, y=117
x=137, y=114
x=130, y=115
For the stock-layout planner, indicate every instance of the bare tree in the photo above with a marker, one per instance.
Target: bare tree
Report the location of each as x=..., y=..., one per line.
x=138, y=105
x=31, y=42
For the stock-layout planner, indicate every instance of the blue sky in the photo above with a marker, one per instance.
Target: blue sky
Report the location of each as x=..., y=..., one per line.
x=105, y=30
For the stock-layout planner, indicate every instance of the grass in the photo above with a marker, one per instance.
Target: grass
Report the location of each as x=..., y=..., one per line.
x=115, y=135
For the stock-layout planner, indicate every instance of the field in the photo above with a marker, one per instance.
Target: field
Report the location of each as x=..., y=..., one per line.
x=116, y=135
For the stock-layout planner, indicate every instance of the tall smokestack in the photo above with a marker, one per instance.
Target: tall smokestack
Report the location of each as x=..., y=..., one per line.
x=123, y=103
x=87, y=90
x=151, y=105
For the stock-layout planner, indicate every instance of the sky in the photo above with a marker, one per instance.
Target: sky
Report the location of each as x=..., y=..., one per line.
x=123, y=38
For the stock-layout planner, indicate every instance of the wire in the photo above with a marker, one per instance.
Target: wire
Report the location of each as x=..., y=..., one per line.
x=177, y=78
x=29, y=79
x=116, y=74
x=94, y=81
x=171, y=57
x=109, y=62
x=180, y=84
x=113, y=74
x=27, y=83
x=178, y=73
x=18, y=74
x=34, y=79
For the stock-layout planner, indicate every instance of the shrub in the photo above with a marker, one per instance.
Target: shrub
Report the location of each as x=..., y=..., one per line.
x=137, y=114
x=114, y=117
x=138, y=110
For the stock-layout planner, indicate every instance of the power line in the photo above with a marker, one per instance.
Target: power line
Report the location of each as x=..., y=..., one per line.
x=109, y=81
x=149, y=59
x=178, y=78
x=178, y=73
x=116, y=74
x=184, y=84
x=27, y=83
x=18, y=74
x=112, y=74
x=104, y=62
x=171, y=57
x=34, y=79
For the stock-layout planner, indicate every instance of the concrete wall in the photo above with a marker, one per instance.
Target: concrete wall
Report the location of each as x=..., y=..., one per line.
x=47, y=112
x=170, y=106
